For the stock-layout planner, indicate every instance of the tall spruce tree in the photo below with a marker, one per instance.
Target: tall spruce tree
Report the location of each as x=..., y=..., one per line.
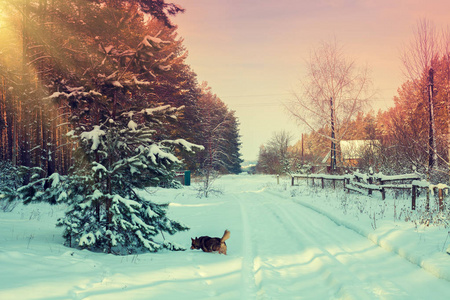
x=108, y=211
x=219, y=128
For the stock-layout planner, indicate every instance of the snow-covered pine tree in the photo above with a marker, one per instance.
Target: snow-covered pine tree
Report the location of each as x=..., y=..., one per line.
x=113, y=161
x=107, y=208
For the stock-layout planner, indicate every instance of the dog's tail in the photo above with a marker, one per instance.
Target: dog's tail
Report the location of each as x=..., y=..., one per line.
x=226, y=236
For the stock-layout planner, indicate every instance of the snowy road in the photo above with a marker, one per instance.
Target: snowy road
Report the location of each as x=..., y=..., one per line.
x=290, y=250
x=279, y=249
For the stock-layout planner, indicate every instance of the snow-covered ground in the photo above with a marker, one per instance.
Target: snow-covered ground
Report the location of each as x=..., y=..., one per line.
x=286, y=243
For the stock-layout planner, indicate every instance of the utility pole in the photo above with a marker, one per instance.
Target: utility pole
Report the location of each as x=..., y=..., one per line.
x=432, y=155
x=448, y=109
x=302, y=151
x=333, y=136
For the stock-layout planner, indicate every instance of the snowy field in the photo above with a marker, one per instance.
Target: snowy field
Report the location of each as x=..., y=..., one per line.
x=286, y=243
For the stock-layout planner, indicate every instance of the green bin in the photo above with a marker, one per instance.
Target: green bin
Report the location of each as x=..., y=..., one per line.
x=187, y=177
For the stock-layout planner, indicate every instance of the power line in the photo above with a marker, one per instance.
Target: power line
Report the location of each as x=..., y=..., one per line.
x=255, y=95
x=243, y=105
x=283, y=94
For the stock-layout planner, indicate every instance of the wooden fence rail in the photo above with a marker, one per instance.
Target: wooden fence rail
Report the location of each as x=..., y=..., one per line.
x=367, y=183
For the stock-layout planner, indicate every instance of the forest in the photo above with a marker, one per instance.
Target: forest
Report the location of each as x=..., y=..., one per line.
x=72, y=64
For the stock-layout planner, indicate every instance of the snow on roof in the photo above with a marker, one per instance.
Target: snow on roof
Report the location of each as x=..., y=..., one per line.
x=354, y=149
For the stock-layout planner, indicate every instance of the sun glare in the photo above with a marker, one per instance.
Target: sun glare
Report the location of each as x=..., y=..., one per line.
x=9, y=56
x=2, y=17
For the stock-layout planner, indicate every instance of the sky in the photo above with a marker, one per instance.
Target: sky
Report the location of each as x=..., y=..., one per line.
x=253, y=53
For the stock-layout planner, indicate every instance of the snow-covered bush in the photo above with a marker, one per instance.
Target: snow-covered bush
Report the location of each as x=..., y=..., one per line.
x=21, y=182
x=9, y=181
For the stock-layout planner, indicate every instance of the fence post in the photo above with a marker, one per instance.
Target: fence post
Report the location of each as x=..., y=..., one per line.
x=441, y=200
x=369, y=181
x=293, y=181
x=383, y=190
x=413, y=199
x=323, y=185
x=347, y=181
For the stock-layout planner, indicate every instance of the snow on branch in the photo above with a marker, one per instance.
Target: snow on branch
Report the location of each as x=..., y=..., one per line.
x=150, y=245
x=129, y=204
x=140, y=223
x=160, y=111
x=155, y=152
x=165, y=68
x=132, y=125
x=153, y=110
x=185, y=144
x=87, y=239
x=74, y=92
x=152, y=42
x=164, y=109
x=140, y=82
x=117, y=84
x=94, y=136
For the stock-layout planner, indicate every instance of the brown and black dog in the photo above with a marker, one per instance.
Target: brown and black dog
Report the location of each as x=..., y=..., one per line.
x=209, y=244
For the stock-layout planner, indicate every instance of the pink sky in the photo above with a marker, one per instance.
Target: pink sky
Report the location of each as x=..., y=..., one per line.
x=252, y=52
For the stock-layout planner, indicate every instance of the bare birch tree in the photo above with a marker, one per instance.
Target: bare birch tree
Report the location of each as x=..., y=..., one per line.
x=446, y=58
x=279, y=146
x=333, y=91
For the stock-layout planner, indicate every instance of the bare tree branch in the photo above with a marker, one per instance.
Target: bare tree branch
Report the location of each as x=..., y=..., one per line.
x=331, y=74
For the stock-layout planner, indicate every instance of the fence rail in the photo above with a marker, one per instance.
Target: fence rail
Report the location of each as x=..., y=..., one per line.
x=367, y=183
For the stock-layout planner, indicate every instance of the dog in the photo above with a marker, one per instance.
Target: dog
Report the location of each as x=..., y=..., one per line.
x=211, y=244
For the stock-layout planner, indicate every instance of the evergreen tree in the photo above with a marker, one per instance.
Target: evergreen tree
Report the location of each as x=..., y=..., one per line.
x=108, y=210
x=232, y=138
x=219, y=128
x=113, y=215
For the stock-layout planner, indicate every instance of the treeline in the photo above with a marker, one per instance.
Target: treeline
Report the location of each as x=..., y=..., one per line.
x=401, y=134
x=76, y=64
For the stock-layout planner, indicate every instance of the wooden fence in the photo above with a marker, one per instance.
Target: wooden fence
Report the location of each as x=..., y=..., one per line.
x=367, y=183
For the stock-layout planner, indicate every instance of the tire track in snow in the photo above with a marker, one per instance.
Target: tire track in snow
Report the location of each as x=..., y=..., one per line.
x=341, y=281
x=267, y=272
x=289, y=249
x=360, y=266
x=249, y=287
x=334, y=272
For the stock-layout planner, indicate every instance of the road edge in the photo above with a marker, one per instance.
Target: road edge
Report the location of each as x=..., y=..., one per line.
x=430, y=265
